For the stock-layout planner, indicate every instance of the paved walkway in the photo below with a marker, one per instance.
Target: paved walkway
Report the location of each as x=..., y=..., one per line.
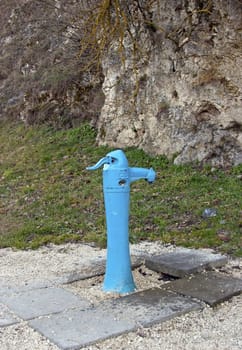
x=72, y=322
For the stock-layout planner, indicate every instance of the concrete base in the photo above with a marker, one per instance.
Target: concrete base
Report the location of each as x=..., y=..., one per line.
x=7, y=318
x=94, y=269
x=211, y=287
x=39, y=302
x=186, y=262
x=73, y=329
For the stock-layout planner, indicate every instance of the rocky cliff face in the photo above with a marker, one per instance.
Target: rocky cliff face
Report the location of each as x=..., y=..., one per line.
x=180, y=95
x=184, y=99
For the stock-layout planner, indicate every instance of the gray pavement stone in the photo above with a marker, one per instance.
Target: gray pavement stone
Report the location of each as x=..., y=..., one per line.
x=73, y=329
x=5, y=290
x=211, y=287
x=33, y=284
x=183, y=263
x=94, y=269
x=76, y=328
x=153, y=305
x=45, y=301
x=7, y=318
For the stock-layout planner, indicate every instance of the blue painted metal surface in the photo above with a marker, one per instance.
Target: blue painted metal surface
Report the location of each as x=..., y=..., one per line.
x=117, y=177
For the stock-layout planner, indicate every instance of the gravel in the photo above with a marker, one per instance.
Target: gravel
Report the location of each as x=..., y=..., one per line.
x=212, y=328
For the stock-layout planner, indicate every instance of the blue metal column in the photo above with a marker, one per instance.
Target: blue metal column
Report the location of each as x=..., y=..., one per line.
x=117, y=177
x=118, y=276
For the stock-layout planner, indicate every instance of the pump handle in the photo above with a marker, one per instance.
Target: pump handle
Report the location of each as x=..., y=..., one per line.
x=102, y=161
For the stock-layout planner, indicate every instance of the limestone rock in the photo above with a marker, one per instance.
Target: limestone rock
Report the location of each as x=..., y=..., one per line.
x=185, y=99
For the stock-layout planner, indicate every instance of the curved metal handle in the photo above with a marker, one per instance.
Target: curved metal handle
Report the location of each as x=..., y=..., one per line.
x=102, y=161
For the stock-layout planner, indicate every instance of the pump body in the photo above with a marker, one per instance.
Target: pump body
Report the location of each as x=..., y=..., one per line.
x=117, y=177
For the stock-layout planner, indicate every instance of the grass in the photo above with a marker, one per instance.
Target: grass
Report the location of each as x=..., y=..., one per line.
x=48, y=196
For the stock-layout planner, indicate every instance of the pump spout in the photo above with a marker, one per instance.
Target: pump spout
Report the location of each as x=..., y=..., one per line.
x=102, y=161
x=142, y=173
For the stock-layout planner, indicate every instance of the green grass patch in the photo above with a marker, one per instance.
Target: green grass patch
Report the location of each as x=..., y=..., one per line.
x=48, y=196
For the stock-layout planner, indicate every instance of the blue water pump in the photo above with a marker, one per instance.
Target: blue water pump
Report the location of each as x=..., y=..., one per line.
x=117, y=177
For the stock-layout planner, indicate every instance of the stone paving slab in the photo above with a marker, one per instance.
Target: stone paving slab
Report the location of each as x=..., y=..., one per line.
x=89, y=271
x=6, y=290
x=153, y=305
x=183, y=263
x=210, y=287
x=45, y=301
x=93, y=270
x=7, y=318
x=73, y=329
